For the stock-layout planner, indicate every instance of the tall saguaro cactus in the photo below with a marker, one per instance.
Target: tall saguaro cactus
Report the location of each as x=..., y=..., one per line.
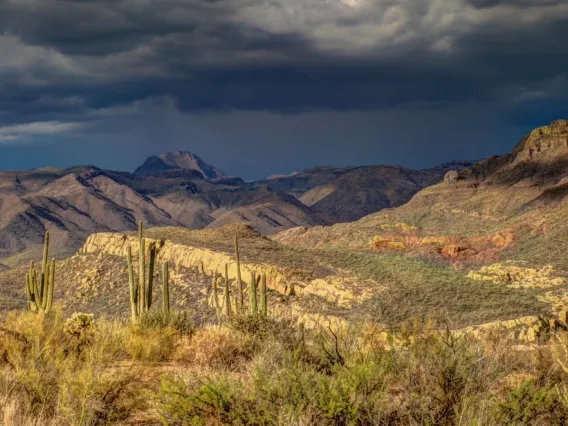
x=239, y=280
x=216, y=297
x=134, y=303
x=263, y=299
x=39, y=286
x=252, y=294
x=141, y=266
x=140, y=294
x=165, y=291
x=226, y=294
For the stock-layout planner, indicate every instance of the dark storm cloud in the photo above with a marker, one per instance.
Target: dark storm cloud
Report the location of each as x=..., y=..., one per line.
x=250, y=54
x=153, y=69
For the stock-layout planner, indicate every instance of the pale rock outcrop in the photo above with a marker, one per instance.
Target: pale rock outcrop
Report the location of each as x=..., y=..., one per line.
x=342, y=290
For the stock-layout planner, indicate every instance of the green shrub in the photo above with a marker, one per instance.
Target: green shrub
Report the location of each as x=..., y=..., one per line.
x=219, y=401
x=528, y=404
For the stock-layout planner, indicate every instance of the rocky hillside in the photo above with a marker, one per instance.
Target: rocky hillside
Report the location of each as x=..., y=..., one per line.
x=320, y=287
x=179, y=189
x=502, y=221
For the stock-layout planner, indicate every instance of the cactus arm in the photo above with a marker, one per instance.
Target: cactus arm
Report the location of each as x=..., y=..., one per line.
x=263, y=300
x=151, y=276
x=45, y=287
x=252, y=295
x=37, y=296
x=44, y=266
x=28, y=287
x=226, y=293
x=132, y=285
x=239, y=278
x=166, y=291
x=216, y=297
x=30, y=283
x=51, y=284
x=142, y=275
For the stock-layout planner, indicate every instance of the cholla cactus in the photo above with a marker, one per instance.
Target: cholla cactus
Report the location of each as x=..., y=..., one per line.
x=81, y=328
x=79, y=325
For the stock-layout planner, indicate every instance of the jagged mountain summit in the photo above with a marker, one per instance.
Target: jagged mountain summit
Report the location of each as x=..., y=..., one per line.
x=184, y=160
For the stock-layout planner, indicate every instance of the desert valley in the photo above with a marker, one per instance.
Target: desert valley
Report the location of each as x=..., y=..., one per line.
x=379, y=294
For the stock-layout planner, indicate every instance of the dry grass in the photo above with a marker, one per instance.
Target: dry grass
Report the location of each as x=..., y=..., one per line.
x=253, y=371
x=216, y=348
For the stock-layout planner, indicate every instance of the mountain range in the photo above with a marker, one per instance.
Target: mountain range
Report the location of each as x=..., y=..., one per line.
x=180, y=189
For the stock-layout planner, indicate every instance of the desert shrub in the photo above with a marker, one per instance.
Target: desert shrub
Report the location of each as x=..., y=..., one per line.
x=436, y=374
x=262, y=329
x=349, y=396
x=211, y=401
x=179, y=321
x=528, y=404
x=149, y=344
x=216, y=347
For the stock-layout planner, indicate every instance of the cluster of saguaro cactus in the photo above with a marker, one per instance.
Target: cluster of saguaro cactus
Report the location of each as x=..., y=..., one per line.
x=238, y=301
x=141, y=291
x=39, y=286
x=254, y=281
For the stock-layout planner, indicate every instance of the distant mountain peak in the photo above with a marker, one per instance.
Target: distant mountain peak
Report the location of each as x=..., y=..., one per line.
x=178, y=160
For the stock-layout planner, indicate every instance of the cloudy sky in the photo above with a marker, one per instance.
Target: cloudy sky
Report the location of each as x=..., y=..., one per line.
x=270, y=86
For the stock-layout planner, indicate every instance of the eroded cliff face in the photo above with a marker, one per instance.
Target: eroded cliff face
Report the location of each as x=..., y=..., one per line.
x=544, y=144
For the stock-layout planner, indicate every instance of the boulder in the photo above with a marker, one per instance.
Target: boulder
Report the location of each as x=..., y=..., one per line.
x=451, y=177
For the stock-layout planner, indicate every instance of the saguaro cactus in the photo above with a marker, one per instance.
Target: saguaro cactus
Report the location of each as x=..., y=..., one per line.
x=151, y=276
x=134, y=302
x=216, y=297
x=165, y=291
x=141, y=267
x=226, y=294
x=140, y=294
x=263, y=299
x=252, y=294
x=39, y=287
x=239, y=280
